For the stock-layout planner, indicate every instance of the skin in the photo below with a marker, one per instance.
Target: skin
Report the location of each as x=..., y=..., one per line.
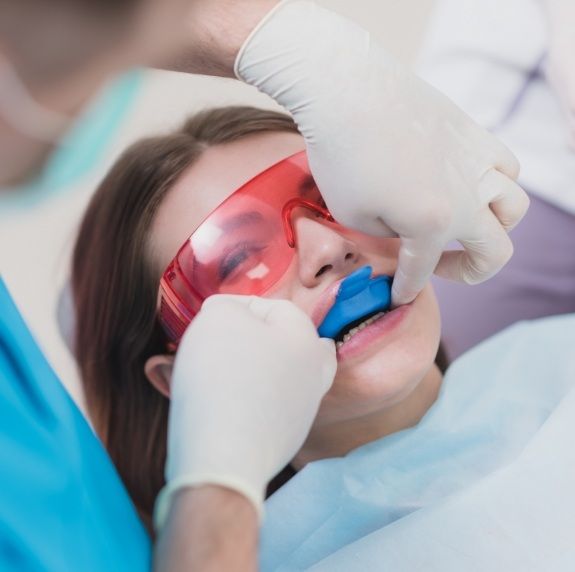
x=213, y=35
x=204, y=36
x=60, y=85
x=391, y=383
x=221, y=532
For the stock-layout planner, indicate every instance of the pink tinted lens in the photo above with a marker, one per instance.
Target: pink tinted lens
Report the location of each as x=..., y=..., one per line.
x=241, y=247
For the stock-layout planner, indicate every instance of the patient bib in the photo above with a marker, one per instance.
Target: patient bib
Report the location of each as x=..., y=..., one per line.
x=483, y=482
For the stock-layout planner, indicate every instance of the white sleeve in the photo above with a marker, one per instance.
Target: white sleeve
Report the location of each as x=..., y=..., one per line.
x=476, y=52
x=489, y=57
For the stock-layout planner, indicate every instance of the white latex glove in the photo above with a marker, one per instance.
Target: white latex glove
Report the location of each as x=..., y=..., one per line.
x=248, y=379
x=561, y=65
x=391, y=155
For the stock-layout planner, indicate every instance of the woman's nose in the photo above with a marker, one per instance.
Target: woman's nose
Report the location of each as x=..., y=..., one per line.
x=323, y=253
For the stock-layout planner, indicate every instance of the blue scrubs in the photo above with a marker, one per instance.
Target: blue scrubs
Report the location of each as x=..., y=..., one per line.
x=63, y=507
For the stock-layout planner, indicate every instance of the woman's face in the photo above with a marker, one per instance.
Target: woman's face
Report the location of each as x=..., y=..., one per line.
x=377, y=367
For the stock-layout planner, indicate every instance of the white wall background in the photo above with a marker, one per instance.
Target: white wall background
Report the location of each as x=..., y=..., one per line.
x=35, y=246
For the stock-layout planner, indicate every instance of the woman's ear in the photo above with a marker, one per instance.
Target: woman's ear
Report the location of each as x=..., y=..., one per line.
x=158, y=370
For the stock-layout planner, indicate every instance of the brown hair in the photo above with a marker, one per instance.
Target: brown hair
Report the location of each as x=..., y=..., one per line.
x=115, y=289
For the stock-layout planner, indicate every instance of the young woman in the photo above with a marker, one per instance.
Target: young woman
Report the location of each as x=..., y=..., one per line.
x=393, y=436
x=155, y=196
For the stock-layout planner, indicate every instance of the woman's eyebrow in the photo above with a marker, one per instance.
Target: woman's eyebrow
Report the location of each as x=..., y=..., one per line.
x=306, y=185
x=242, y=219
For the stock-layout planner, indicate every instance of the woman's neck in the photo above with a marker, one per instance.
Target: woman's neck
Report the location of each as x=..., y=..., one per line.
x=337, y=439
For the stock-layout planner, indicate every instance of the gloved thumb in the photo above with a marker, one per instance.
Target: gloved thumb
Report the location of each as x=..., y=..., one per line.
x=282, y=314
x=329, y=364
x=329, y=345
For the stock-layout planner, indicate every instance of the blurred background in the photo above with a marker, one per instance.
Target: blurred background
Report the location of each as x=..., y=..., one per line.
x=35, y=244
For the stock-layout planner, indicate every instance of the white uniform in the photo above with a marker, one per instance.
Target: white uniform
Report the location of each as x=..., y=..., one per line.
x=489, y=56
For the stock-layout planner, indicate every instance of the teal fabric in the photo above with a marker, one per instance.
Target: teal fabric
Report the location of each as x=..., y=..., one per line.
x=63, y=507
x=83, y=146
x=483, y=482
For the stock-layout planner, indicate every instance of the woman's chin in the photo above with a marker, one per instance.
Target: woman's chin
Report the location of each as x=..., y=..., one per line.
x=384, y=363
x=379, y=381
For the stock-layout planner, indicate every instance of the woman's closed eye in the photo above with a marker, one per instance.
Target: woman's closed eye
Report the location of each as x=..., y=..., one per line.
x=244, y=255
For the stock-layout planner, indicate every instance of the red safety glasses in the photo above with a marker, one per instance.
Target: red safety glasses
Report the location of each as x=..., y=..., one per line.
x=243, y=247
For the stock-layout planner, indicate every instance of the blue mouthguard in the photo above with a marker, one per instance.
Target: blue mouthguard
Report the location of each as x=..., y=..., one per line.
x=358, y=296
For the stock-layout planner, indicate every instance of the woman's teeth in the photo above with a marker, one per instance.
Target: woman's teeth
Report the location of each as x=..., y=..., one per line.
x=361, y=326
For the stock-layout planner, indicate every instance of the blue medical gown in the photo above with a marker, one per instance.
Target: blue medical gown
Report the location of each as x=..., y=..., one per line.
x=63, y=507
x=484, y=482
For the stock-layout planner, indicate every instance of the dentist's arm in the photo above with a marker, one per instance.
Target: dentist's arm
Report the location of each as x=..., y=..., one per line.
x=217, y=29
x=209, y=528
x=248, y=379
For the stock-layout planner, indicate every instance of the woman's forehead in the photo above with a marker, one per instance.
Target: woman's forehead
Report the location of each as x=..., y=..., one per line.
x=219, y=172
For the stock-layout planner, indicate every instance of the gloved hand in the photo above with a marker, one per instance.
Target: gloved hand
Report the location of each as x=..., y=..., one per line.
x=560, y=65
x=248, y=379
x=391, y=155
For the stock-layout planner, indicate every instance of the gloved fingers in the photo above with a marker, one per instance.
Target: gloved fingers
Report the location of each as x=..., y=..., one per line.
x=329, y=345
x=483, y=255
x=236, y=310
x=495, y=154
x=281, y=313
x=255, y=305
x=416, y=262
x=374, y=226
x=286, y=316
x=364, y=224
x=329, y=369
x=262, y=308
x=225, y=304
x=224, y=300
x=507, y=200
x=505, y=160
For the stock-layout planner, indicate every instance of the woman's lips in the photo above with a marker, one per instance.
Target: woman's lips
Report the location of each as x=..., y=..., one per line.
x=325, y=303
x=363, y=340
